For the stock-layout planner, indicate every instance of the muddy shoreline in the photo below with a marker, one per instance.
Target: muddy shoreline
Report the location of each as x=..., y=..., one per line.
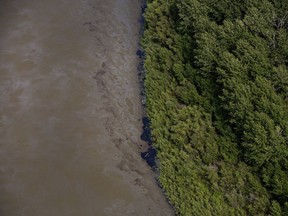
x=71, y=111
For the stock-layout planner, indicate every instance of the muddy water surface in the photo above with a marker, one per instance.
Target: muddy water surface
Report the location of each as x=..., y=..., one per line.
x=70, y=111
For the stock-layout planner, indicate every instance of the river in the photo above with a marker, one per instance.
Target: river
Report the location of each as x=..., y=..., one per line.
x=70, y=111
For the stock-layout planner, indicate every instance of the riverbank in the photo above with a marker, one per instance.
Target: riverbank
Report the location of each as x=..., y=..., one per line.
x=71, y=111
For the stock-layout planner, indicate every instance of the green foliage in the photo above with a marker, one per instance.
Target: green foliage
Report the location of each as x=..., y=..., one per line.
x=275, y=209
x=217, y=97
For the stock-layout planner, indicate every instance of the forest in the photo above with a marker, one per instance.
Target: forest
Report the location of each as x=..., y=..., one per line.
x=217, y=98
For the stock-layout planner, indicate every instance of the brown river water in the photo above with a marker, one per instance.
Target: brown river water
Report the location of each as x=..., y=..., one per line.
x=70, y=111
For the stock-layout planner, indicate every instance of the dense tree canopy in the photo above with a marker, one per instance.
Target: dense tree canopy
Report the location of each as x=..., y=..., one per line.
x=217, y=97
